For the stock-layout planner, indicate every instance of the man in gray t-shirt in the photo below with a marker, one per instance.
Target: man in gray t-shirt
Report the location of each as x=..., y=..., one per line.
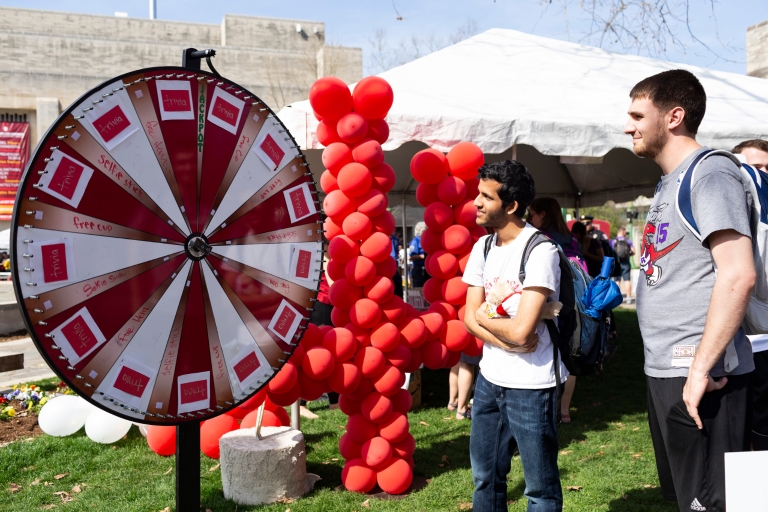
x=692, y=297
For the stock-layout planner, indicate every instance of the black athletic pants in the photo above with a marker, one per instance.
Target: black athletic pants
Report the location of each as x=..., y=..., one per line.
x=691, y=462
x=760, y=402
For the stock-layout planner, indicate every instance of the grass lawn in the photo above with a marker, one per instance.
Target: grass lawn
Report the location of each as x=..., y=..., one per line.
x=606, y=457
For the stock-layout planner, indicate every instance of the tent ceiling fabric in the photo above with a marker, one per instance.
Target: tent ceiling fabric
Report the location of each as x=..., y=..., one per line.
x=504, y=89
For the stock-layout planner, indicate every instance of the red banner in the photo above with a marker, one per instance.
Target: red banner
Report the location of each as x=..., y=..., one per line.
x=14, y=153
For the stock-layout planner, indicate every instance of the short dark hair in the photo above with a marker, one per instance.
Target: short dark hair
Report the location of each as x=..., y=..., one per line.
x=578, y=229
x=516, y=183
x=675, y=88
x=759, y=144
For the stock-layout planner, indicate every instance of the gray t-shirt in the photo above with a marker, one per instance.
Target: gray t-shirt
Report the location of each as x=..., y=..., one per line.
x=677, y=271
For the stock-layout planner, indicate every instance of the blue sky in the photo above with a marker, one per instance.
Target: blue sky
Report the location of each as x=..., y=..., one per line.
x=354, y=23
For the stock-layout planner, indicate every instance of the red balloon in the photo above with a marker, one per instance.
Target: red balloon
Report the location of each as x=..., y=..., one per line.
x=330, y=229
x=330, y=97
x=362, y=336
x=338, y=205
x=385, y=336
x=378, y=130
x=389, y=381
x=460, y=313
x=376, y=247
x=285, y=420
x=404, y=448
x=413, y=332
x=465, y=160
x=434, y=324
x=268, y=419
x=341, y=343
x=455, y=291
x=370, y=360
x=360, y=429
x=326, y=133
x=426, y=194
x=365, y=313
x=368, y=153
x=161, y=440
x=287, y=398
x=415, y=362
x=342, y=249
x=318, y=363
x=364, y=389
x=402, y=401
x=372, y=203
x=465, y=213
x=399, y=357
x=394, y=309
x=442, y=265
x=256, y=400
x=453, y=359
x=352, y=128
x=347, y=447
x=376, y=452
x=463, y=262
x=356, y=226
x=380, y=289
x=478, y=232
x=451, y=190
x=360, y=271
x=212, y=430
x=349, y=406
x=354, y=179
x=376, y=408
x=429, y=166
x=433, y=290
x=472, y=185
x=311, y=389
x=357, y=477
x=297, y=355
x=386, y=268
x=457, y=240
x=438, y=217
x=339, y=317
x=328, y=182
x=431, y=241
x=434, y=354
x=384, y=223
x=336, y=156
x=335, y=270
x=475, y=347
x=395, y=477
x=285, y=379
x=344, y=294
x=395, y=428
x=237, y=412
x=372, y=97
x=456, y=336
x=345, y=378
x=383, y=177
x=447, y=311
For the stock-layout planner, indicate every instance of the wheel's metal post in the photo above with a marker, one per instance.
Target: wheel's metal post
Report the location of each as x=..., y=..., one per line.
x=188, y=466
x=296, y=415
x=259, y=418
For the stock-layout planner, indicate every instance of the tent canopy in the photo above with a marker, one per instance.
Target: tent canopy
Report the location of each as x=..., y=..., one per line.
x=558, y=107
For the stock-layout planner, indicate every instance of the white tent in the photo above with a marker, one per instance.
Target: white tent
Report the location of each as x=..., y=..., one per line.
x=558, y=107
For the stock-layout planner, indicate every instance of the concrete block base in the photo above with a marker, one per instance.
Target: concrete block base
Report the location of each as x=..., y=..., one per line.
x=257, y=471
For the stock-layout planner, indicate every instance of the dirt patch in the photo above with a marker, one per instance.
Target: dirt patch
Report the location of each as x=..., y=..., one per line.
x=18, y=335
x=19, y=427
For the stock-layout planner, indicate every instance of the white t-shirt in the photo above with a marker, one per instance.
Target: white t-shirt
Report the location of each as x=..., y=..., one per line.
x=533, y=370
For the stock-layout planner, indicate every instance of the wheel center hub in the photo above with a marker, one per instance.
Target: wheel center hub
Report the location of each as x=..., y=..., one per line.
x=197, y=246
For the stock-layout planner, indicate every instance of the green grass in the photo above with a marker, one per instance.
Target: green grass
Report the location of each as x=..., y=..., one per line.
x=606, y=451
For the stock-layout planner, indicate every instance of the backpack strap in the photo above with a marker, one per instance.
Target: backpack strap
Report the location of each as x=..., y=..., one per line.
x=488, y=245
x=536, y=239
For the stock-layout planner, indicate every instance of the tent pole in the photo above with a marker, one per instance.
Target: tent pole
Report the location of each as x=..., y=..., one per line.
x=578, y=206
x=405, y=250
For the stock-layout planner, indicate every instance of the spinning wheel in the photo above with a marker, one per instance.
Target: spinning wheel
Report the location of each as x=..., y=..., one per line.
x=167, y=245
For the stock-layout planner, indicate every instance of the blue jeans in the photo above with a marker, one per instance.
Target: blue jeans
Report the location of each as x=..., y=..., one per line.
x=505, y=418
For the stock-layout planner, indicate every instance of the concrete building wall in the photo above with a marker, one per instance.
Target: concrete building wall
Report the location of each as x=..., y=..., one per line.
x=757, y=50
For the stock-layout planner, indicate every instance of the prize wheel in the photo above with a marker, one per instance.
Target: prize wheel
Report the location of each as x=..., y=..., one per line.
x=168, y=246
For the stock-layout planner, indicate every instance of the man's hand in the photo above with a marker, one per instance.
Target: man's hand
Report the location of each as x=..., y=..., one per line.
x=481, y=317
x=697, y=384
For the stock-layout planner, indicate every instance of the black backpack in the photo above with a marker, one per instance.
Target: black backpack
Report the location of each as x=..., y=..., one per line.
x=622, y=250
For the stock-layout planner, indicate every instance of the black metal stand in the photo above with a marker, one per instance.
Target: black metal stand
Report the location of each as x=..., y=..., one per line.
x=188, y=467
x=190, y=58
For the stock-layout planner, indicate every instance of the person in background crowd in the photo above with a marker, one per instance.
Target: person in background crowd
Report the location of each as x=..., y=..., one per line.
x=546, y=215
x=697, y=357
x=417, y=256
x=515, y=395
x=624, y=250
x=397, y=279
x=590, y=248
x=5, y=261
x=460, y=380
x=755, y=153
x=592, y=229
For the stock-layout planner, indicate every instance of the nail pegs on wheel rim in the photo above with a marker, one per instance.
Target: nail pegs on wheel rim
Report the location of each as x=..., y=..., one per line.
x=167, y=245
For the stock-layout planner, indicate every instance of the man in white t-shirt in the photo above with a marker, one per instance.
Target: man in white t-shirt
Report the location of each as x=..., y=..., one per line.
x=515, y=402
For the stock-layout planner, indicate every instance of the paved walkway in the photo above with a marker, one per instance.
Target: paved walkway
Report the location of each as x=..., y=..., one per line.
x=35, y=367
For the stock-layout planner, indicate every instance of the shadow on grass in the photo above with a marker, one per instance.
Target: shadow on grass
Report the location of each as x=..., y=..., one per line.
x=641, y=500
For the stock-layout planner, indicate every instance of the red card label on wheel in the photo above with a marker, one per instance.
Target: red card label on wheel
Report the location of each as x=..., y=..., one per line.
x=80, y=335
x=194, y=391
x=246, y=366
x=131, y=382
x=175, y=98
x=225, y=110
x=112, y=124
x=272, y=150
x=300, y=203
x=66, y=177
x=54, y=263
x=285, y=321
x=175, y=101
x=303, y=264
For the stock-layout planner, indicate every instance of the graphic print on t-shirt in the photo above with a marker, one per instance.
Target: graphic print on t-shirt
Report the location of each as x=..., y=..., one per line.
x=654, y=234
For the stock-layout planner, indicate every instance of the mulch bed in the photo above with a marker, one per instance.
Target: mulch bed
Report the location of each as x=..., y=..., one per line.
x=19, y=427
x=17, y=335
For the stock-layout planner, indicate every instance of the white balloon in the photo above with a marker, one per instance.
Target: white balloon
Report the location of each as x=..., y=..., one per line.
x=62, y=416
x=142, y=428
x=105, y=428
